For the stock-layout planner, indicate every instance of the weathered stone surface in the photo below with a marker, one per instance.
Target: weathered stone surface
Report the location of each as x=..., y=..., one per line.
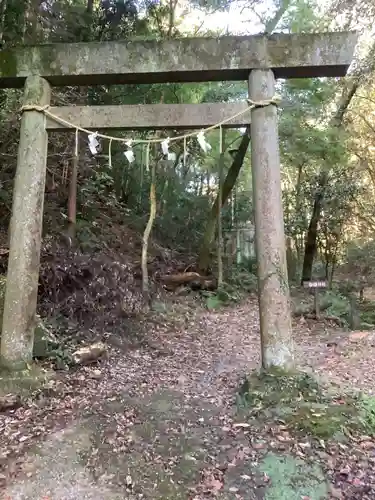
x=146, y=116
x=273, y=287
x=25, y=233
x=186, y=59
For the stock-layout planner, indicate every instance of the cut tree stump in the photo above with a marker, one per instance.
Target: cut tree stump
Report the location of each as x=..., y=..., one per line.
x=9, y=402
x=90, y=354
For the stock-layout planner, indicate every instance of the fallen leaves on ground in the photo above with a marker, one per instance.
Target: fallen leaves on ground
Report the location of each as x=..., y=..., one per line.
x=202, y=355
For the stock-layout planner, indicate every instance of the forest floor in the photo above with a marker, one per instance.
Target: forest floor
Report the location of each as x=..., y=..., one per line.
x=160, y=421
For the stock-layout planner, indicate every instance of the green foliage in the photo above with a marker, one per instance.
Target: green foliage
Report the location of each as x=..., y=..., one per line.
x=244, y=278
x=360, y=260
x=48, y=347
x=240, y=284
x=223, y=296
x=303, y=16
x=211, y=5
x=213, y=301
x=367, y=314
x=268, y=388
x=366, y=405
x=340, y=301
x=336, y=304
x=14, y=21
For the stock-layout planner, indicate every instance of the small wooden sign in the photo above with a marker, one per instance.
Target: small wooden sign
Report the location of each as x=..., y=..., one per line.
x=315, y=284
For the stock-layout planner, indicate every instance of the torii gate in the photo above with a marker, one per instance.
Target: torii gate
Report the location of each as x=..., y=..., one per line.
x=258, y=59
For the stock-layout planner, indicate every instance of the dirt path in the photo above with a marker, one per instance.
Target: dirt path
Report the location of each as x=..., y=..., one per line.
x=160, y=424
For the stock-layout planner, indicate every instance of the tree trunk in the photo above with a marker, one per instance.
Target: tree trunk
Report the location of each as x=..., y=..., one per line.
x=299, y=233
x=208, y=191
x=72, y=196
x=219, y=219
x=3, y=7
x=147, y=232
x=172, y=13
x=272, y=23
x=230, y=180
x=312, y=233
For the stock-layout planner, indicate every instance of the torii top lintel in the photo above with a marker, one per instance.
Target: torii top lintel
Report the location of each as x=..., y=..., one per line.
x=183, y=60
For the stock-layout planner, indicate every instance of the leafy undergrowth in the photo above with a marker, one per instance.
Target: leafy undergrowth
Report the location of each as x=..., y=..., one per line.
x=339, y=305
x=241, y=284
x=298, y=401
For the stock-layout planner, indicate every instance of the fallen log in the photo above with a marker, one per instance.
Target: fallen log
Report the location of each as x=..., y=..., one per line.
x=179, y=279
x=191, y=279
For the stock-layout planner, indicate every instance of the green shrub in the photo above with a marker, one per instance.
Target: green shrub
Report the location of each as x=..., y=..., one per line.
x=366, y=406
x=243, y=280
x=339, y=305
x=224, y=295
x=231, y=292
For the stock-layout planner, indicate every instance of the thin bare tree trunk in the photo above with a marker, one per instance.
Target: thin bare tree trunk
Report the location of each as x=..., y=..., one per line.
x=299, y=210
x=172, y=12
x=72, y=197
x=219, y=218
x=3, y=7
x=150, y=222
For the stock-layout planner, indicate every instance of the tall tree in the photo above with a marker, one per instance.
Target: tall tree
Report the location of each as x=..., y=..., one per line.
x=348, y=92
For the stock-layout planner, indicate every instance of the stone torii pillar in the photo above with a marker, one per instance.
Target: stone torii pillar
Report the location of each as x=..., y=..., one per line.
x=17, y=334
x=273, y=287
